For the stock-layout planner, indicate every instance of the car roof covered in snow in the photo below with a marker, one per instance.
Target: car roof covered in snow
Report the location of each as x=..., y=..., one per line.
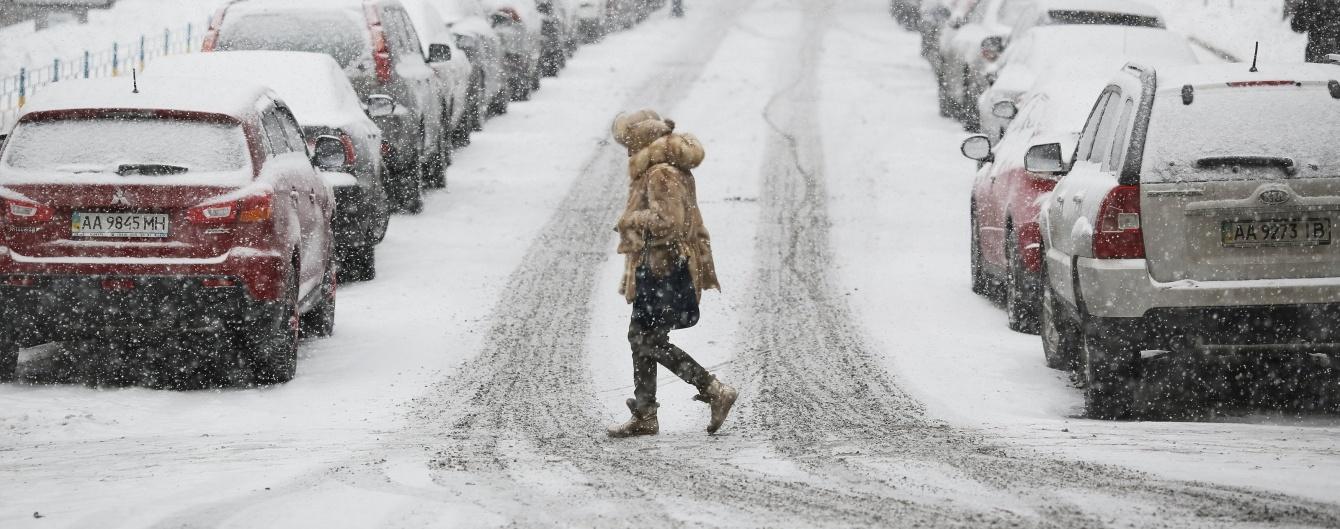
x=312, y=84
x=1081, y=45
x=1128, y=7
x=235, y=99
x=1222, y=74
x=247, y=5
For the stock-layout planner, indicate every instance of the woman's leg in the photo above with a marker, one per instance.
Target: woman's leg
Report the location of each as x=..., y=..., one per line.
x=651, y=347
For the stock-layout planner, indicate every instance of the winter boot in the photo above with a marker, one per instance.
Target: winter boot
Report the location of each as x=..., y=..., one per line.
x=642, y=423
x=721, y=398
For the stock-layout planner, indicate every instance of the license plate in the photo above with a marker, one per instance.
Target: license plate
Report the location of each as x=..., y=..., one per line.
x=1249, y=234
x=119, y=225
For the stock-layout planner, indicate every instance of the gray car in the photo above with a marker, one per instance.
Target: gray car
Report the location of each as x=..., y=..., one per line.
x=376, y=45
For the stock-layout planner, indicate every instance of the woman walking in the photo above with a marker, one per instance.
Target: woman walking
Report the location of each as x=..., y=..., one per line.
x=668, y=264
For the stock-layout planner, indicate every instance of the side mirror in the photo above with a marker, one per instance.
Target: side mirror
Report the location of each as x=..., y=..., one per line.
x=329, y=153
x=992, y=48
x=978, y=148
x=439, y=53
x=380, y=105
x=500, y=18
x=1004, y=110
x=1045, y=159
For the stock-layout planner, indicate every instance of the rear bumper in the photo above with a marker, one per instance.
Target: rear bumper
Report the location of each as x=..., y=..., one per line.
x=1307, y=328
x=69, y=307
x=1122, y=288
x=262, y=273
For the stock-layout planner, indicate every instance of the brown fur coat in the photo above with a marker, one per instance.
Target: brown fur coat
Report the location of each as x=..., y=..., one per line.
x=661, y=222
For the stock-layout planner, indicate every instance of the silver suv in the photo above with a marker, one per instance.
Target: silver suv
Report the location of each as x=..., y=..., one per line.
x=1196, y=216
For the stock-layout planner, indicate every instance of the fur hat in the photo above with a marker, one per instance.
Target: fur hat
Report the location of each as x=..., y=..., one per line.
x=637, y=130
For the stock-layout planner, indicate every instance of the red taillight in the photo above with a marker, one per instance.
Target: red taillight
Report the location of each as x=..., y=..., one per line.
x=255, y=208
x=511, y=13
x=381, y=55
x=1118, y=234
x=23, y=212
x=1249, y=84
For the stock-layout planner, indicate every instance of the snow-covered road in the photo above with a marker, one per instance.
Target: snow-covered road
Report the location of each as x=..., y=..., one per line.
x=468, y=386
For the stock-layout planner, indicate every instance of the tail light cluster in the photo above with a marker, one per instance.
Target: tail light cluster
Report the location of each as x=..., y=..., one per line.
x=249, y=210
x=22, y=212
x=381, y=52
x=511, y=13
x=1118, y=234
x=212, y=35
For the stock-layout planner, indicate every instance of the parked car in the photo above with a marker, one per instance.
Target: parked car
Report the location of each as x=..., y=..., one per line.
x=1005, y=261
x=906, y=12
x=1088, y=13
x=489, y=92
x=519, y=25
x=189, y=208
x=1073, y=51
x=967, y=47
x=556, y=34
x=453, y=73
x=592, y=19
x=936, y=22
x=325, y=105
x=1197, y=215
x=378, y=48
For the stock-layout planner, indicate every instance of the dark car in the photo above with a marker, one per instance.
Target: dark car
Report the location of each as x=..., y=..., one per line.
x=325, y=104
x=379, y=50
x=191, y=208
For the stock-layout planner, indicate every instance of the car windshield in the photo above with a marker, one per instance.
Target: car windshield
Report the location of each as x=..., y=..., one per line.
x=339, y=34
x=113, y=144
x=1102, y=18
x=1208, y=140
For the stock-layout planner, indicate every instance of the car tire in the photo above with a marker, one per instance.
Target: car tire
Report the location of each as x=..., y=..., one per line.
x=1111, y=371
x=498, y=105
x=409, y=187
x=320, y=321
x=1060, y=338
x=9, y=353
x=273, y=344
x=359, y=264
x=1021, y=291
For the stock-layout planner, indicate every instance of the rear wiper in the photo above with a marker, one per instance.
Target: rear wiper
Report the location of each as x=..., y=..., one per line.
x=149, y=169
x=1287, y=164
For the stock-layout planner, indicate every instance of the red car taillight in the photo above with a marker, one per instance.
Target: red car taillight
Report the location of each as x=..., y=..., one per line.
x=511, y=13
x=23, y=212
x=255, y=208
x=1118, y=234
x=381, y=55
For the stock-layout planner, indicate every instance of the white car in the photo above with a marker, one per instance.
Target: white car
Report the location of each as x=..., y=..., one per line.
x=1197, y=216
x=1073, y=51
x=519, y=24
x=475, y=36
x=454, y=72
x=968, y=46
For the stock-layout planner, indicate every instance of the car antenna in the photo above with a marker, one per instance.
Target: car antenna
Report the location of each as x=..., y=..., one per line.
x=134, y=82
x=1255, y=54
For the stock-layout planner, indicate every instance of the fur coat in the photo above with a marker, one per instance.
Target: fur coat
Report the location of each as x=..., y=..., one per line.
x=661, y=223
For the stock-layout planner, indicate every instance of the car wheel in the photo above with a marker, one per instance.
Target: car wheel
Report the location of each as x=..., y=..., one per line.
x=1021, y=290
x=1111, y=372
x=9, y=353
x=273, y=346
x=435, y=165
x=409, y=187
x=320, y=321
x=498, y=105
x=359, y=263
x=1060, y=341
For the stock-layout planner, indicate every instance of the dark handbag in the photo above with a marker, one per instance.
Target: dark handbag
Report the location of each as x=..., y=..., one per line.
x=665, y=303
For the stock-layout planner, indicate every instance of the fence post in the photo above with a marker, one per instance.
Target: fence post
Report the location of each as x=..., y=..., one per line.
x=167, y=41
x=55, y=70
x=87, y=59
x=188, y=38
x=23, y=86
x=116, y=59
x=141, y=52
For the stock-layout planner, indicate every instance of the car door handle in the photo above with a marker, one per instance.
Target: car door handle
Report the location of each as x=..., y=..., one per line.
x=1079, y=197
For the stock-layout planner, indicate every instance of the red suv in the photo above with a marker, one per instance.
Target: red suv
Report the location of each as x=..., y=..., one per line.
x=182, y=207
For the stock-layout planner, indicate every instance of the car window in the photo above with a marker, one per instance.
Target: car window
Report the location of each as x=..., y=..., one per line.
x=1085, y=147
x=337, y=33
x=1198, y=142
x=1117, y=154
x=1107, y=128
x=274, y=131
x=292, y=132
x=404, y=42
x=106, y=143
